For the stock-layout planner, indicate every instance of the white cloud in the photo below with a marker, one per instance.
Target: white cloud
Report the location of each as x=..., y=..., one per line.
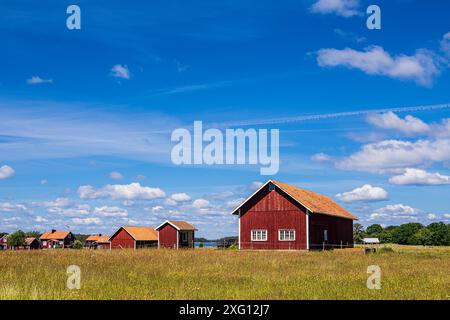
x=320, y=157
x=120, y=71
x=419, y=177
x=180, y=197
x=156, y=209
x=75, y=211
x=87, y=221
x=106, y=211
x=132, y=191
x=6, y=172
x=431, y=216
x=390, y=120
x=395, y=211
x=392, y=155
x=40, y=219
x=116, y=175
x=44, y=182
x=445, y=44
x=420, y=68
x=200, y=203
x=255, y=185
x=38, y=80
x=170, y=202
x=345, y=8
x=234, y=203
x=128, y=203
x=12, y=207
x=364, y=193
x=447, y=216
x=58, y=202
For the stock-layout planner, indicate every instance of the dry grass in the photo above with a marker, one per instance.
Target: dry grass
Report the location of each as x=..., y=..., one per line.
x=407, y=273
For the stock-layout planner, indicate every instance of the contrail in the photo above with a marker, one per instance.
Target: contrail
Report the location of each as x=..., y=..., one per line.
x=333, y=115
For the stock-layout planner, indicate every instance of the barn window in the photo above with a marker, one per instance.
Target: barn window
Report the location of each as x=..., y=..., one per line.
x=271, y=187
x=184, y=236
x=325, y=235
x=286, y=235
x=259, y=235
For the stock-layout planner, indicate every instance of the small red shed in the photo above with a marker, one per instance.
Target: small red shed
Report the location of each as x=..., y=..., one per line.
x=176, y=234
x=282, y=216
x=134, y=238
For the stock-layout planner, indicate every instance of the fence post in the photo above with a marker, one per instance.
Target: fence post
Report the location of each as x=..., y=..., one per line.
x=323, y=246
x=341, y=244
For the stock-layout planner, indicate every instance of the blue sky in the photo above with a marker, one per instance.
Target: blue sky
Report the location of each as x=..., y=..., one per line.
x=95, y=107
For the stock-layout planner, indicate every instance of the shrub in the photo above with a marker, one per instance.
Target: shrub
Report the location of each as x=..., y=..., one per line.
x=77, y=244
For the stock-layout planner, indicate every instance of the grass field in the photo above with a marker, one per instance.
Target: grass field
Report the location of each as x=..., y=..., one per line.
x=407, y=273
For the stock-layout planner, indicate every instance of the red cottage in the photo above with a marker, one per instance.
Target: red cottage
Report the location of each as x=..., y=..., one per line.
x=176, y=234
x=134, y=238
x=282, y=216
x=57, y=239
x=97, y=241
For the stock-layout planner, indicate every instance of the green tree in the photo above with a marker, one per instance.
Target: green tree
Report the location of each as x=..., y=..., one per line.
x=404, y=233
x=423, y=237
x=374, y=230
x=33, y=234
x=17, y=239
x=358, y=232
x=386, y=236
x=440, y=234
x=77, y=244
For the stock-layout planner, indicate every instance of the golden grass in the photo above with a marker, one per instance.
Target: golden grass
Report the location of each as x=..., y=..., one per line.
x=407, y=273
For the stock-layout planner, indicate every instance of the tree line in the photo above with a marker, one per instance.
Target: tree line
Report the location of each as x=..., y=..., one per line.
x=435, y=234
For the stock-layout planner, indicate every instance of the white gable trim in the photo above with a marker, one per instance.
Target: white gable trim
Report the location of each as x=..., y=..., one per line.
x=233, y=212
x=167, y=221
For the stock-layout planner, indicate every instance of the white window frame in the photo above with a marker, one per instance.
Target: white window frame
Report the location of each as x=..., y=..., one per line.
x=262, y=232
x=283, y=232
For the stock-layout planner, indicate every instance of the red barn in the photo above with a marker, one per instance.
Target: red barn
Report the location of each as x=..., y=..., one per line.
x=176, y=234
x=57, y=239
x=282, y=216
x=134, y=238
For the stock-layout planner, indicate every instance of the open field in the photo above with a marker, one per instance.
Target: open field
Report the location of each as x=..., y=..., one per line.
x=407, y=273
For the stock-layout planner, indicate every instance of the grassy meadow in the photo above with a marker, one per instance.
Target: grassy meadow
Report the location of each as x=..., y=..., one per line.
x=407, y=273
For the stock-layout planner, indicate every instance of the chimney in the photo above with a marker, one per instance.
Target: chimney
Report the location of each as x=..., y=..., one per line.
x=53, y=230
x=100, y=234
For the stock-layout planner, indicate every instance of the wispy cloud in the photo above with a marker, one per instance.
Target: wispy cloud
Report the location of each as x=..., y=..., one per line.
x=120, y=71
x=344, y=8
x=38, y=80
x=421, y=67
x=46, y=130
x=322, y=116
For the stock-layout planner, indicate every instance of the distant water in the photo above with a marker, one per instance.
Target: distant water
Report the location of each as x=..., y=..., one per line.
x=206, y=244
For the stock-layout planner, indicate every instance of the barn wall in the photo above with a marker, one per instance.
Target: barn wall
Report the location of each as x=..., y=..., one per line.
x=168, y=236
x=339, y=229
x=122, y=240
x=273, y=211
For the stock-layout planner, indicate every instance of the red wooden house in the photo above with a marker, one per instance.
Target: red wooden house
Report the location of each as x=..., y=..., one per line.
x=57, y=239
x=4, y=242
x=97, y=241
x=176, y=234
x=282, y=216
x=134, y=238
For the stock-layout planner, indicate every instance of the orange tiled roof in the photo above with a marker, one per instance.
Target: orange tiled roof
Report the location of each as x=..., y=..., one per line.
x=183, y=225
x=103, y=239
x=93, y=237
x=57, y=235
x=315, y=202
x=142, y=233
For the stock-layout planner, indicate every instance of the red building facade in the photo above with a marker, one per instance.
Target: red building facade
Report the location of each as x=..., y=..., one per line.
x=176, y=234
x=281, y=216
